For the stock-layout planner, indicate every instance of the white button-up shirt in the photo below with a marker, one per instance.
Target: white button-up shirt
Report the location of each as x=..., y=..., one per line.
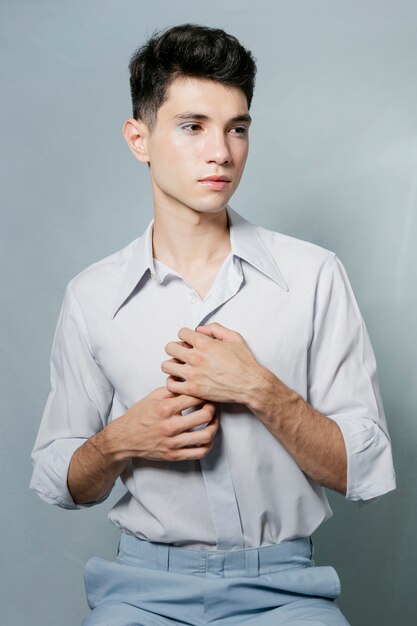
x=293, y=304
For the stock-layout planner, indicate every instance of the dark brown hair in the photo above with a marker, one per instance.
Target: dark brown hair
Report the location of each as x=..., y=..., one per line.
x=186, y=50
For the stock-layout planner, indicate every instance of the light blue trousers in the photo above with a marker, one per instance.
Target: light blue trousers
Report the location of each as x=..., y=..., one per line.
x=153, y=584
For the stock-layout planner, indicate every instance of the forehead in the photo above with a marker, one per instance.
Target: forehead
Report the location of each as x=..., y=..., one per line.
x=203, y=96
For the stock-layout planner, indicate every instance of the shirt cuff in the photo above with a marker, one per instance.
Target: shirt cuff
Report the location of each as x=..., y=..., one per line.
x=49, y=478
x=370, y=470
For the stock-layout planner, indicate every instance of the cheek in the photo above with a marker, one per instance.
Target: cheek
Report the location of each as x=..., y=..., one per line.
x=242, y=154
x=182, y=156
x=187, y=150
x=179, y=158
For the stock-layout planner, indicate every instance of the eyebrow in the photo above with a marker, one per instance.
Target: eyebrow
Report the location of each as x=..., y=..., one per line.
x=200, y=116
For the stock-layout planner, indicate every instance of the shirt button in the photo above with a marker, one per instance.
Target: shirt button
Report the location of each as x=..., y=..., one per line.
x=153, y=276
x=193, y=298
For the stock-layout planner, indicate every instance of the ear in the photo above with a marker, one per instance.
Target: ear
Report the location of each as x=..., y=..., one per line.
x=136, y=134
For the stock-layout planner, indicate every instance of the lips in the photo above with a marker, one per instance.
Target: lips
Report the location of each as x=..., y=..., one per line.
x=217, y=183
x=215, y=178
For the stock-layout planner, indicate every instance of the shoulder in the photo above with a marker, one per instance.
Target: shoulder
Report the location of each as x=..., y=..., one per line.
x=294, y=255
x=292, y=247
x=101, y=280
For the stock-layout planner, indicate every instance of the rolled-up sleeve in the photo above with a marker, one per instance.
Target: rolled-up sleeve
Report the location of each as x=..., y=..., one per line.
x=343, y=384
x=78, y=405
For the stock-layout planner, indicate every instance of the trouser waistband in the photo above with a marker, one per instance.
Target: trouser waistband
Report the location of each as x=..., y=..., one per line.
x=246, y=562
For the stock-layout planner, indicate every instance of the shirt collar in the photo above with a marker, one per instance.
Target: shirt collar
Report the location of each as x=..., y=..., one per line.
x=245, y=243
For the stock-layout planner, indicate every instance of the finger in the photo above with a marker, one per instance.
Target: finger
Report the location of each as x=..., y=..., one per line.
x=173, y=367
x=202, y=415
x=204, y=330
x=205, y=415
x=177, y=350
x=191, y=454
x=183, y=402
x=176, y=386
x=188, y=335
x=174, y=348
x=218, y=331
x=162, y=393
x=201, y=437
x=182, y=438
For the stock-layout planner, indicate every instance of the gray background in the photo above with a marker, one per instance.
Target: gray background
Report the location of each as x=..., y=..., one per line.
x=333, y=160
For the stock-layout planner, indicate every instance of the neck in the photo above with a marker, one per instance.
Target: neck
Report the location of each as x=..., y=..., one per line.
x=186, y=239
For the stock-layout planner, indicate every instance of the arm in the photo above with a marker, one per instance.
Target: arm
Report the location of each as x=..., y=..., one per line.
x=338, y=433
x=77, y=408
x=314, y=440
x=78, y=456
x=227, y=371
x=153, y=428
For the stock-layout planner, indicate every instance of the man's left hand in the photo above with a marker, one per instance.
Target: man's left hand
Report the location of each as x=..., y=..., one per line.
x=213, y=362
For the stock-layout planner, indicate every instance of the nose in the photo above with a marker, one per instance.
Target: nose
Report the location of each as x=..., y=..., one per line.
x=217, y=149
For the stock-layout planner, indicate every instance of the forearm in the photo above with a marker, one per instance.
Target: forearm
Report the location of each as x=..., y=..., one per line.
x=314, y=440
x=94, y=468
x=153, y=428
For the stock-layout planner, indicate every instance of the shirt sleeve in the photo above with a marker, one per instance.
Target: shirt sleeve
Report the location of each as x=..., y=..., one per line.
x=78, y=406
x=343, y=384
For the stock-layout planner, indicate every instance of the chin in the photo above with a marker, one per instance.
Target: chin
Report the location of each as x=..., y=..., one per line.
x=215, y=205
x=210, y=209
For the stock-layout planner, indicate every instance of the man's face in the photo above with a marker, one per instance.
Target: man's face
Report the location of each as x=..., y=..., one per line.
x=201, y=132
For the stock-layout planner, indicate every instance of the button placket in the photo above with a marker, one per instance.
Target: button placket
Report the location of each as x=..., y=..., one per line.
x=215, y=467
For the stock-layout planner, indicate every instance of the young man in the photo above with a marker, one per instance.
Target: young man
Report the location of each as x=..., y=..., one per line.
x=234, y=364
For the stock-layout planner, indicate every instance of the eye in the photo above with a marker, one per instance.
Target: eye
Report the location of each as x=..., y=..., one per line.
x=240, y=130
x=192, y=128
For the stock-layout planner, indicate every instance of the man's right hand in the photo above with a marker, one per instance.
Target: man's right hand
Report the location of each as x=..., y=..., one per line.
x=155, y=429
x=152, y=428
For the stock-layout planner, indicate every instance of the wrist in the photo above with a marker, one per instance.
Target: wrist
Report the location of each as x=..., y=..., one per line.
x=110, y=444
x=270, y=399
x=258, y=393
